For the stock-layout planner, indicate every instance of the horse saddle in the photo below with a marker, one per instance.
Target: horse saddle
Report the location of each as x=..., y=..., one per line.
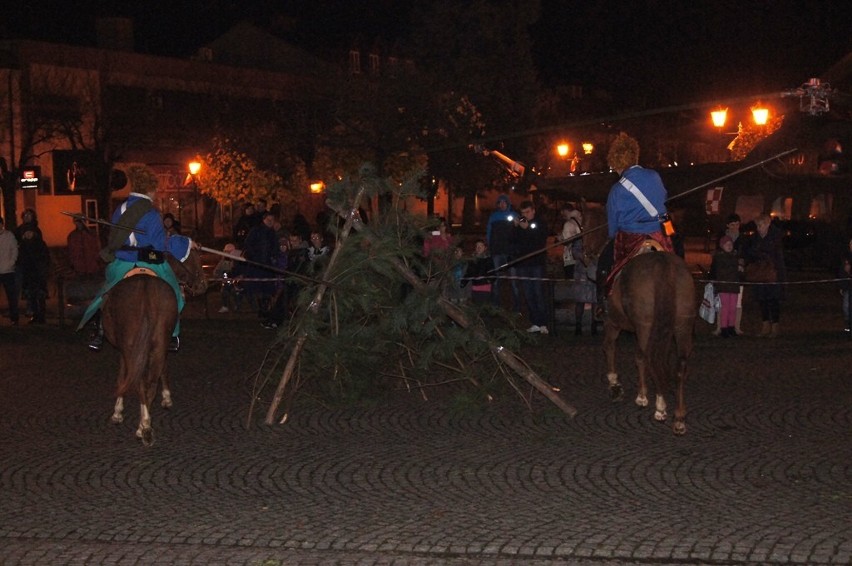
x=139, y=270
x=647, y=245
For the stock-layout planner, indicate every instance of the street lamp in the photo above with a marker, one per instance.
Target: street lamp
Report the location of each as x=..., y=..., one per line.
x=194, y=168
x=719, y=117
x=564, y=151
x=760, y=114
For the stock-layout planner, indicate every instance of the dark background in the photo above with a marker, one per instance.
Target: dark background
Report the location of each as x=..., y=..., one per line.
x=662, y=51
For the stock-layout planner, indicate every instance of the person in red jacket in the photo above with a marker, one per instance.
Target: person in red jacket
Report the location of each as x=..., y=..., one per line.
x=83, y=250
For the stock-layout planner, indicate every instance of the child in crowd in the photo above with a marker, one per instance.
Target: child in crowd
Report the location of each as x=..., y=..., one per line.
x=725, y=269
x=477, y=272
x=232, y=297
x=458, y=289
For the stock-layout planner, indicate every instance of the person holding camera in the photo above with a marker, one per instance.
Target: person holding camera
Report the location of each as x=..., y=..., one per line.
x=529, y=238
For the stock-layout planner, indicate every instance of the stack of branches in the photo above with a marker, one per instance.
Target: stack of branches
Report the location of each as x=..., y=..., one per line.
x=377, y=319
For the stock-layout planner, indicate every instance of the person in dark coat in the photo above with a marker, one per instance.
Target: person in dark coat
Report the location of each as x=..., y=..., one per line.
x=34, y=262
x=261, y=247
x=498, y=236
x=766, y=245
x=845, y=276
x=530, y=236
x=244, y=225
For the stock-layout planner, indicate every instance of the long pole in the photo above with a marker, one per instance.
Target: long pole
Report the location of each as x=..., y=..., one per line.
x=266, y=266
x=99, y=221
x=677, y=196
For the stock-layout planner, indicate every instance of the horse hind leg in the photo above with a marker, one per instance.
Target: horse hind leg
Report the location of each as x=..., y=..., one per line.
x=660, y=409
x=684, y=343
x=166, y=393
x=616, y=391
x=643, y=365
x=118, y=410
x=147, y=392
x=679, y=425
x=144, y=431
x=642, y=368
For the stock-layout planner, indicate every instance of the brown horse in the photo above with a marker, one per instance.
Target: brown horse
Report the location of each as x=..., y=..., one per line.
x=654, y=297
x=139, y=314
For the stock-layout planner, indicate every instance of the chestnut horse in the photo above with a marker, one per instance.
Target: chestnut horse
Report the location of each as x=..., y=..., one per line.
x=139, y=314
x=654, y=297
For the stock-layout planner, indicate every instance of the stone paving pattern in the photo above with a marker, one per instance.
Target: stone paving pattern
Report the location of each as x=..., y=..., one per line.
x=763, y=475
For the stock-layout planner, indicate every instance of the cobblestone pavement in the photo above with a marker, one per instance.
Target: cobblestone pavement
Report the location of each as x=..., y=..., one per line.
x=763, y=475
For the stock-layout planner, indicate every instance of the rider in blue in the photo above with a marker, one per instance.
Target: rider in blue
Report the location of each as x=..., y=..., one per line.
x=143, y=246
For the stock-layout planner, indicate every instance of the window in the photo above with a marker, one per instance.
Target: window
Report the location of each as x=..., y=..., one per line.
x=355, y=62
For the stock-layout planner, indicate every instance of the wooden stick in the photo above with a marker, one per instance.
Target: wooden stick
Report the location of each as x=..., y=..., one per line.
x=313, y=309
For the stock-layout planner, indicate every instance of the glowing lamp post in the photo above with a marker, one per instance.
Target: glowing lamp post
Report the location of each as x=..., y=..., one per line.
x=194, y=168
x=588, y=148
x=562, y=149
x=317, y=187
x=719, y=117
x=760, y=114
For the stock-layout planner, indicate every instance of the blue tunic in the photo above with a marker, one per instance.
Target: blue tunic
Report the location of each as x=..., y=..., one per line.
x=624, y=211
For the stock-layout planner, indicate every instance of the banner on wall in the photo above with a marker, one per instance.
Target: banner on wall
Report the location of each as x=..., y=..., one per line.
x=73, y=172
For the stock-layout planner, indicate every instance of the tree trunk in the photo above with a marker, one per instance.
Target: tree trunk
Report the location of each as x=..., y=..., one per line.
x=469, y=214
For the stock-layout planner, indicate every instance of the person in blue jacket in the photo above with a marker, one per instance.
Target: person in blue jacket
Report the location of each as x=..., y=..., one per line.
x=142, y=246
x=498, y=234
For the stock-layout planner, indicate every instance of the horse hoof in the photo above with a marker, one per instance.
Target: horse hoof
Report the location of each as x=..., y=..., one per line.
x=679, y=428
x=660, y=416
x=641, y=400
x=115, y=419
x=147, y=436
x=616, y=393
x=167, y=403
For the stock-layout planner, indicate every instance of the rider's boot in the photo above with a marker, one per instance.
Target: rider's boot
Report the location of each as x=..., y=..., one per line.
x=174, y=344
x=97, y=341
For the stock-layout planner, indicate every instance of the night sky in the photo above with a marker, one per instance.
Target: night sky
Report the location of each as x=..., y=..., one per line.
x=662, y=52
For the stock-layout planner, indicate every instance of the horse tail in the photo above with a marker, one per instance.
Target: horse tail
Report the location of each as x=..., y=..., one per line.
x=661, y=337
x=136, y=338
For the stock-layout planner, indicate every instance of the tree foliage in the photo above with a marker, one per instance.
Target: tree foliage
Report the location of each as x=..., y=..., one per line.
x=749, y=135
x=231, y=177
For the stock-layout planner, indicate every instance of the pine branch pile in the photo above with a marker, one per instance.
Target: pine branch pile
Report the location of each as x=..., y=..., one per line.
x=380, y=322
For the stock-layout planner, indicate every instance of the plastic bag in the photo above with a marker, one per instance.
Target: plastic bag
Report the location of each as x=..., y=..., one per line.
x=707, y=310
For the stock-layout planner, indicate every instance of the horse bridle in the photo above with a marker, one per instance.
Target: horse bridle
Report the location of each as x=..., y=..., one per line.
x=194, y=278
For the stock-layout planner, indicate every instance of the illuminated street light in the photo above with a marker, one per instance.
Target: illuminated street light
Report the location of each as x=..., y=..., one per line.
x=588, y=148
x=719, y=117
x=760, y=114
x=317, y=187
x=562, y=149
x=194, y=168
